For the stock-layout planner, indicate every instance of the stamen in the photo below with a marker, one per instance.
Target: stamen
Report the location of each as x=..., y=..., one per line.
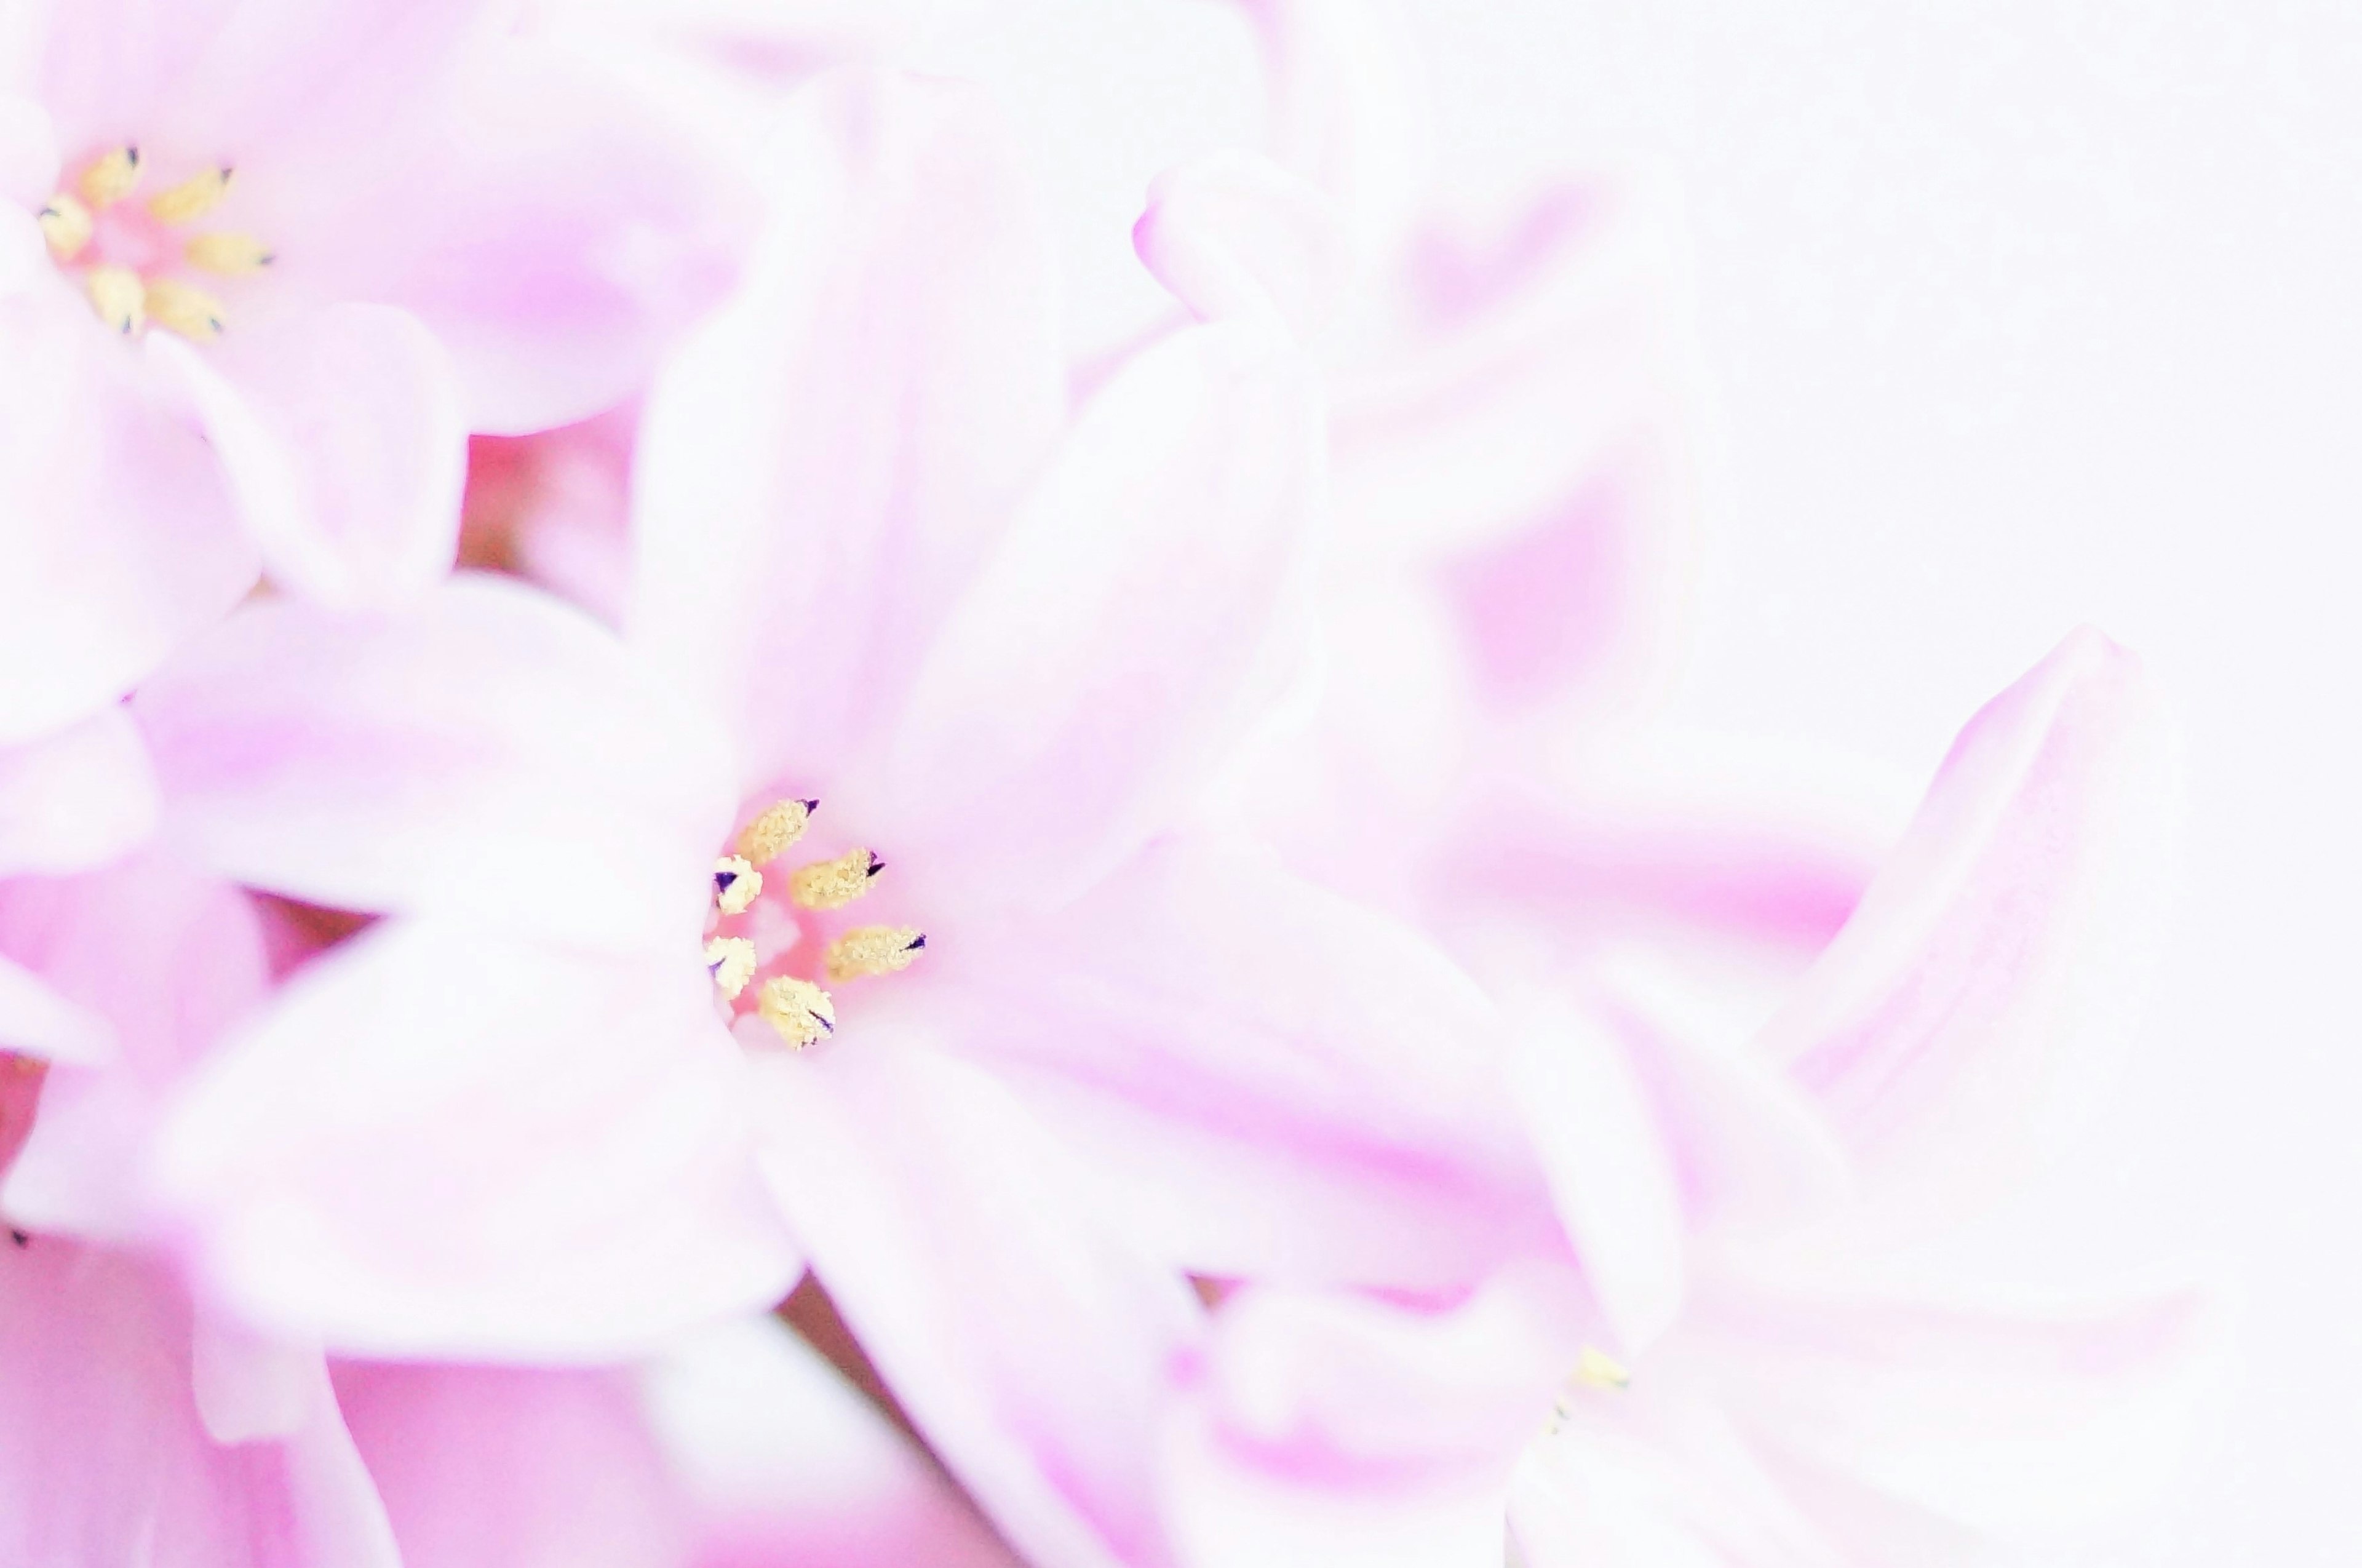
x=735, y=884
x=66, y=224
x=1595, y=1368
x=833, y=884
x=730, y=961
x=799, y=1010
x=192, y=312
x=191, y=198
x=229, y=253
x=119, y=297
x=874, y=950
x=782, y=823
x=112, y=178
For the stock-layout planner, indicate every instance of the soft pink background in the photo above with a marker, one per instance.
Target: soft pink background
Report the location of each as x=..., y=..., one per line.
x=2014, y=313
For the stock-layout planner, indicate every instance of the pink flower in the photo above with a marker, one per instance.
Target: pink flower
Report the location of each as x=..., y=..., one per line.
x=262, y=269
x=1759, y=1370
x=617, y=1031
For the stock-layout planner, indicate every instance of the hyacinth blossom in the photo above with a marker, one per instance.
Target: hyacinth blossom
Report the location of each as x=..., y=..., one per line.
x=1744, y=1368
x=797, y=923
x=265, y=266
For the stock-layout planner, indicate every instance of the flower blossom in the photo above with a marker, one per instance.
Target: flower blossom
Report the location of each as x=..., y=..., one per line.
x=263, y=270
x=1754, y=1359
x=815, y=919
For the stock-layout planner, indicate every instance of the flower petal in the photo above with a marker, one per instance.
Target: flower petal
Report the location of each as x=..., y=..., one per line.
x=340, y=431
x=117, y=540
x=1097, y=674
x=1590, y=1121
x=168, y=959
x=443, y=1142
x=489, y=752
x=506, y=1467
x=104, y=1460
x=1337, y=1429
x=786, y=1462
x=1028, y=1342
x=821, y=466
x=2013, y=1424
x=79, y=798
x=1280, y=1084
x=1977, y=996
x=1235, y=236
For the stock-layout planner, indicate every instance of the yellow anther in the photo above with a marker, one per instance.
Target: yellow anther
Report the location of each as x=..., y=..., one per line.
x=735, y=884
x=112, y=178
x=1595, y=1368
x=874, y=950
x=229, y=253
x=192, y=312
x=833, y=884
x=731, y=960
x=119, y=296
x=66, y=224
x=193, y=198
x=799, y=1010
x=782, y=823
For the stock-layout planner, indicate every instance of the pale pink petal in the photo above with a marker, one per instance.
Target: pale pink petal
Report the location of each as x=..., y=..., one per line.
x=1150, y=603
x=81, y=798
x=784, y=1461
x=504, y=1467
x=1234, y=236
x=490, y=752
x=28, y=152
x=1349, y=107
x=1587, y=1112
x=440, y=1141
x=168, y=959
x=37, y=1021
x=1335, y=1430
x=1280, y=1084
x=101, y=67
x=116, y=538
x=1674, y=1485
x=822, y=464
x=340, y=431
x=1013, y=1321
x=2015, y=1425
x=1978, y=996
x=104, y=1459
x=553, y=230
x=1749, y=1152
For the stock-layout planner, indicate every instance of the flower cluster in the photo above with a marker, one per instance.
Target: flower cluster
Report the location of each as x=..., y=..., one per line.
x=672, y=896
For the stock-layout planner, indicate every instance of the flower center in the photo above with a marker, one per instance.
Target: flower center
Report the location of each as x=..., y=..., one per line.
x=126, y=252
x=1596, y=1371
x=763, y=934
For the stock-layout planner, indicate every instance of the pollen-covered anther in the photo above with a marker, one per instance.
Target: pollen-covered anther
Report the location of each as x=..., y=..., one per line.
x=227, y=253
x=1595, y=1368
x=193, y=198
x=119, y=297
x=800, y=1011
x=730, y=961
x=192, y=312
x=114, y=176
x=66, y=224
x=874, y=950
x=833, y=884
x=781, y=822
x=736, y=884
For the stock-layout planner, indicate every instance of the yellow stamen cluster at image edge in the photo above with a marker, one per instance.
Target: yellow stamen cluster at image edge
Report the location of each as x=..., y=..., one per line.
x=801, y=1012
x=122, y=298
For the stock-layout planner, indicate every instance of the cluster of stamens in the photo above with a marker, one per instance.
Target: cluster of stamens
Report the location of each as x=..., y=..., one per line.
x=799, y=1010
x=123, y=260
